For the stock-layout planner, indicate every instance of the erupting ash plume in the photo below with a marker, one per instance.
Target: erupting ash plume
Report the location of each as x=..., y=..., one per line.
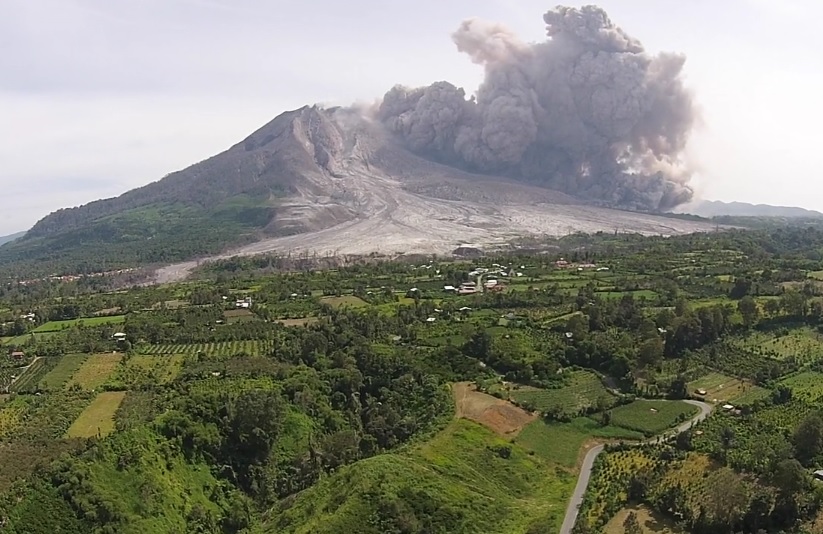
x=587, y=112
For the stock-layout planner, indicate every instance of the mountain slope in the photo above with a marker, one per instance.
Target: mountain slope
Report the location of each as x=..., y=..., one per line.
x=314, y=181
x=716, y=208
x=8, y=238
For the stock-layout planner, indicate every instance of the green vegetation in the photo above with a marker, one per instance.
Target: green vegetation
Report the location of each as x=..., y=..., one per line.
x=652, y=417
x=97, y=419
x=436, y=486
x=562, y=443
x=582, y=391
x=63, y=371
x=95, y=370
x=326, y=406
x=56, y=326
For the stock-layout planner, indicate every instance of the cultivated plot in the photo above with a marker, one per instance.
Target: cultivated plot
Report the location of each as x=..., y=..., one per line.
x=97, y=419
x=63, y=371
x=95, y=370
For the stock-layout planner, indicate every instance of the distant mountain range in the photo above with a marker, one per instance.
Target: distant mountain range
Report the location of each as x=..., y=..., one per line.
x=716, y=208
x=8, y=238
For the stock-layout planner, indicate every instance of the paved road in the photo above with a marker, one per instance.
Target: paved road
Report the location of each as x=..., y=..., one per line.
x=588, y=463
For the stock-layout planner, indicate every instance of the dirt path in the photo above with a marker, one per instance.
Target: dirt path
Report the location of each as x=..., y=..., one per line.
x=588, y=463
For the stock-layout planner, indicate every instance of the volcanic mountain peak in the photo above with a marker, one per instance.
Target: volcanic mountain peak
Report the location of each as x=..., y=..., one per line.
x=314, y=180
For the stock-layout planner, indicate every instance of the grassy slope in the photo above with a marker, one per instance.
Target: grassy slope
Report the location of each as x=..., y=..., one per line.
x=138, y=479
x=455, y=479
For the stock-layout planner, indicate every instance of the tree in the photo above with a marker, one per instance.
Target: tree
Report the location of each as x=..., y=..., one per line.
x=793, y=303
x=772, y=307
x=678, y=388
x=650, y=352
x=782, y=394
x=749, y=310
x=808, y=438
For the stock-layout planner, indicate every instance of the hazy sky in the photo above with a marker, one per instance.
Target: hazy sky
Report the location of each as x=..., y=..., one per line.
x=100, y=96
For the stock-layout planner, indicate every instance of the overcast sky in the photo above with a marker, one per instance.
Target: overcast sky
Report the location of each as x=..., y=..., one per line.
x=101, y=96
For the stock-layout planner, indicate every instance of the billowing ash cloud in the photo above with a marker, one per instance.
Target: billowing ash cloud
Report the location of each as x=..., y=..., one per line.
x=588, y=112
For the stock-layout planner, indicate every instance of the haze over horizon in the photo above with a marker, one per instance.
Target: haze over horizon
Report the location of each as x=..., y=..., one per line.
x=102, y=98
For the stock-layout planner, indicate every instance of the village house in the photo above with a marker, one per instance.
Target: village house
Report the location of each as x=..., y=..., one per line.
x=17, y=355
x=244, y=303
x=467, y=288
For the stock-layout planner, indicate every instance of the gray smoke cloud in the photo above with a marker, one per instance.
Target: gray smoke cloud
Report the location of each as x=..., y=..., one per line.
x=588, y=112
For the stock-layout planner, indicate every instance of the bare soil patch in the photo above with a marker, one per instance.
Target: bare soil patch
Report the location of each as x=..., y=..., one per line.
x=501, y=416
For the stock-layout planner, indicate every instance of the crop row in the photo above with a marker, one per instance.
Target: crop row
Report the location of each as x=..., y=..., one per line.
x=224, y=348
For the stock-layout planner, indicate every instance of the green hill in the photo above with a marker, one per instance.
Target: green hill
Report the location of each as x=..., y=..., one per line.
x=466, y=479
x=224, y=201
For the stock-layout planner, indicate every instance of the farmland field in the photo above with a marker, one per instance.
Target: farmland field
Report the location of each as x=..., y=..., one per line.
x=344, y=300
x=804, y=344
x=236, y=316
x=28, y=380
x=584, y=390
x=302, y=321
x=63, y=371
x=650, y=522
x=56, y=326
x=95, y=370
x=97, y=419
x=807, y=385
x=652, y=416
x=144, y=369
x=562, y=442
x=722, y=388
x=255, y=347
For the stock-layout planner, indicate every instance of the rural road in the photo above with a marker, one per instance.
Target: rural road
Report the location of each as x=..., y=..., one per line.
x=588, y=464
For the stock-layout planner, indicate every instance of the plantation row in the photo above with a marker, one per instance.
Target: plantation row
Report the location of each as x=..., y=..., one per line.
x=255, y=347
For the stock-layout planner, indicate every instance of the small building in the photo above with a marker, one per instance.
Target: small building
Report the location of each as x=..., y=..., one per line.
x=467, y=288
x=449, y=288
x=119, y=336
x=818, y=475
x=701, y=391
x=728, y=407
x=431, y=320
x=17, y=355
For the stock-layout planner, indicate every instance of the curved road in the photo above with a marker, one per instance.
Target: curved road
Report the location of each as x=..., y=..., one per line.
x=588, y=464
